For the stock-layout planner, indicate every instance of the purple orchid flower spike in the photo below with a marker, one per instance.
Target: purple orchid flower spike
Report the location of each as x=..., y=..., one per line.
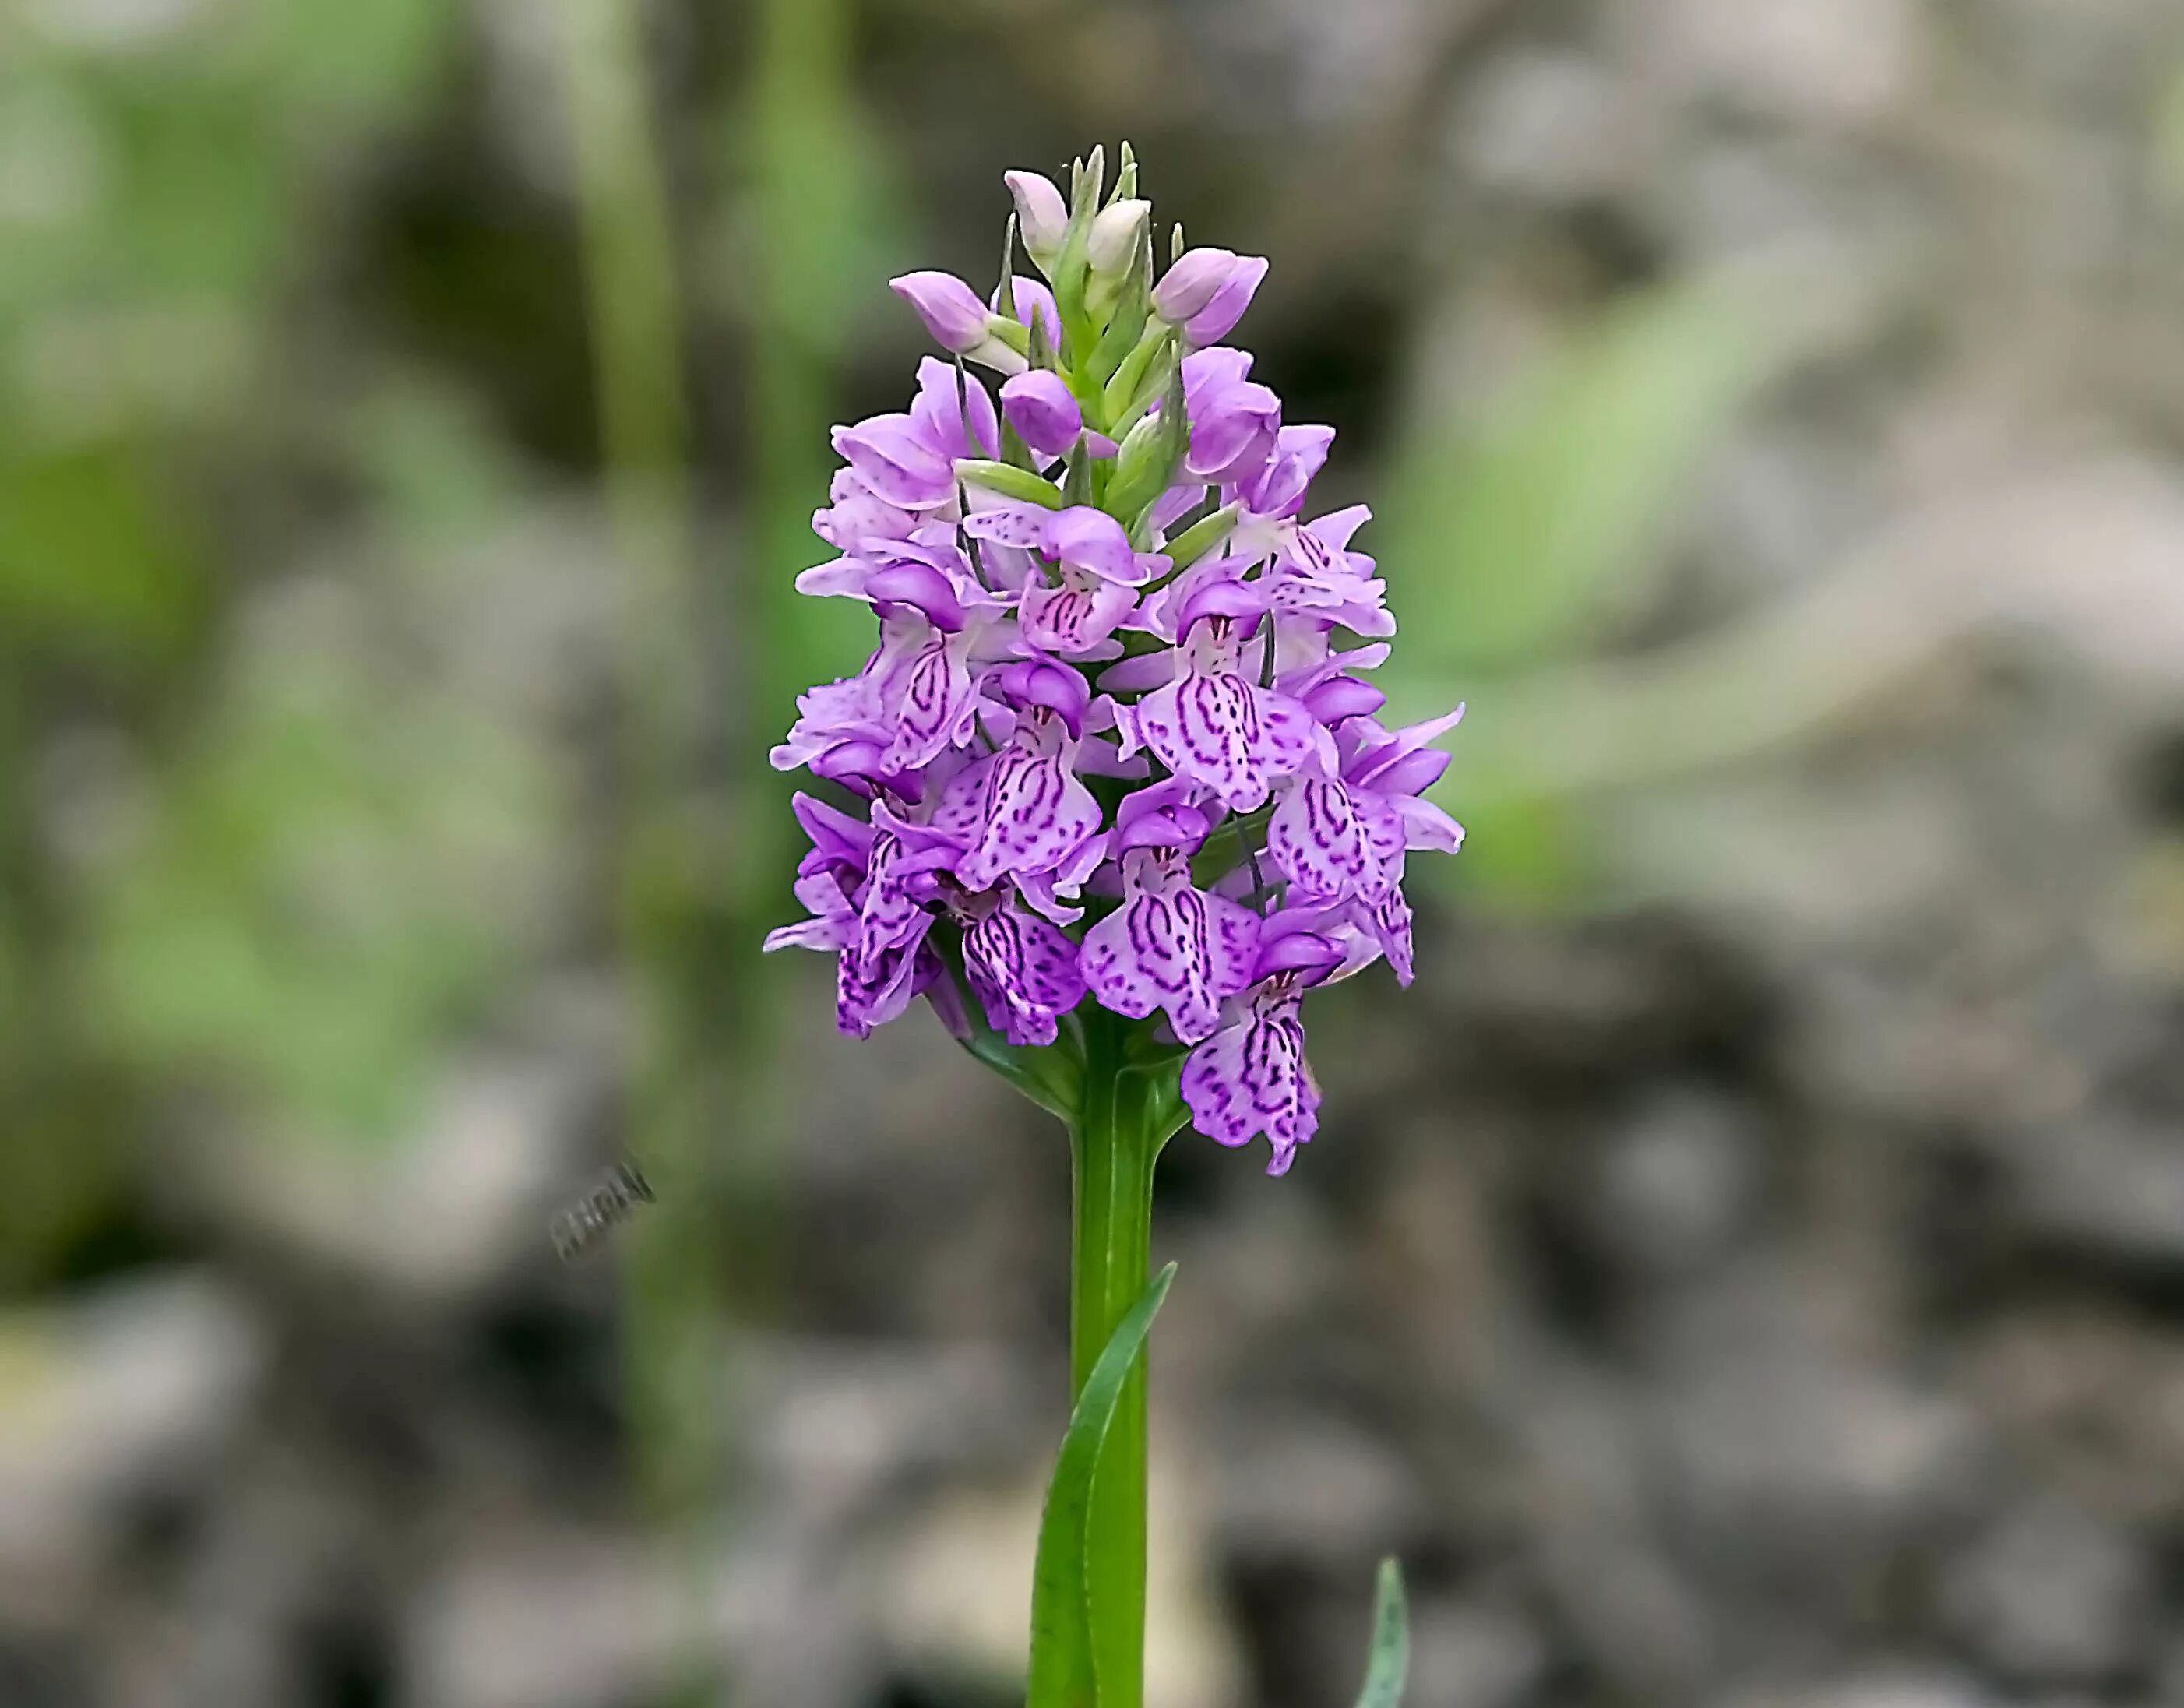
x=1112, y=639
x=1212, y=725
x=1035, y=642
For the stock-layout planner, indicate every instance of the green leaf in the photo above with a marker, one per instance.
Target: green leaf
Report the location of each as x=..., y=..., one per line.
x=1062, y=1671
x=1389, y=1662
x=1010, y=483
x=1202, y=535
x=1516, y=538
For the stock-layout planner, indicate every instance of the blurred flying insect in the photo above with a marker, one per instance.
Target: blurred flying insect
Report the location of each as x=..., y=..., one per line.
x=613, y=1199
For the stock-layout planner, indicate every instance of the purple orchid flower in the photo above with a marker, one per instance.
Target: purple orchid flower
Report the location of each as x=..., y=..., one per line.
x=1042, y=215
x=1073, y=616
x=1030, y=302
x=1344, y=838
x=1276, y=488
x=1023, y=970
x=1315, y=574
x=856, y=514
x=879, y=926
x=1250, y=1076
x=1234, y=422
x=922, y=678
x=1170, y=946
x=908, y=460
x=1212, y=725
x=1022, y=810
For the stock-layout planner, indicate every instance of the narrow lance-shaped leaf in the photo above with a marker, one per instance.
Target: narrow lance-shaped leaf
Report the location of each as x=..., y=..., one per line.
x=1389, y=1661
x=1009, y=482
x=1061, y=1674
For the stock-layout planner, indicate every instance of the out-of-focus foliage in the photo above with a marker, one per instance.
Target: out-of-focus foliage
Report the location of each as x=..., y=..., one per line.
x=315, y=903
x=817, y=220
x=1529, y=527
x=266, y=883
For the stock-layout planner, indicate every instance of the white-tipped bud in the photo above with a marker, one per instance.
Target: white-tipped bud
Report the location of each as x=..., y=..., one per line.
x=1042, y=216
x=1117, y=231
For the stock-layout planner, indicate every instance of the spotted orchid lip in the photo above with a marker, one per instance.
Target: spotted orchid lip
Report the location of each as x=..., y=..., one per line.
x=921, y=586
x=1232, y=599
x=1042, y=682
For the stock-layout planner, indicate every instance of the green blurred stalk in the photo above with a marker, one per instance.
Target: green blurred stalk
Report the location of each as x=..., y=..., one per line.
x=674, y=1350
x=1115, y=1140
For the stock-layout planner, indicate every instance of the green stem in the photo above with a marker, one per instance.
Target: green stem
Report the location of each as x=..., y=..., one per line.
x=1122, y=1123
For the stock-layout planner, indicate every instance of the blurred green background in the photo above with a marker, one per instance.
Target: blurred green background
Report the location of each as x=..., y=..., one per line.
x=1748, y=1270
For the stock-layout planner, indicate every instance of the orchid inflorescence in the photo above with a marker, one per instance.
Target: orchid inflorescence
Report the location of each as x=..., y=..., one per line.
x=1117, y=740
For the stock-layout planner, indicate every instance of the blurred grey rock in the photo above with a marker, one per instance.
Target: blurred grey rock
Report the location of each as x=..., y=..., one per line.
x=1553, y=126
x=125, y=1391
x=440, y=1212
x=1883, y=1688
x=1468, y=1654
x=2110, y=1186
x=1784, y=1457
x=528, y=1617
x=835, y=1428
x=2051, y=1595
x=1676, y=1182
x=1293, y=1486
x=1842, y=64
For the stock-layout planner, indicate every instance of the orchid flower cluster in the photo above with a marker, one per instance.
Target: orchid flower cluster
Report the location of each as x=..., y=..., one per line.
x=1117, y=743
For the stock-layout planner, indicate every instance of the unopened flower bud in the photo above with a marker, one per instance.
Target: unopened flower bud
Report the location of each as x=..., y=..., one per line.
x=1042, y=216
x=1189, y=286
x=1117, y=231
x=959, y=321
x=1339, y=697
x=1213, y=322
x=950, y=309
x=1039, y=406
